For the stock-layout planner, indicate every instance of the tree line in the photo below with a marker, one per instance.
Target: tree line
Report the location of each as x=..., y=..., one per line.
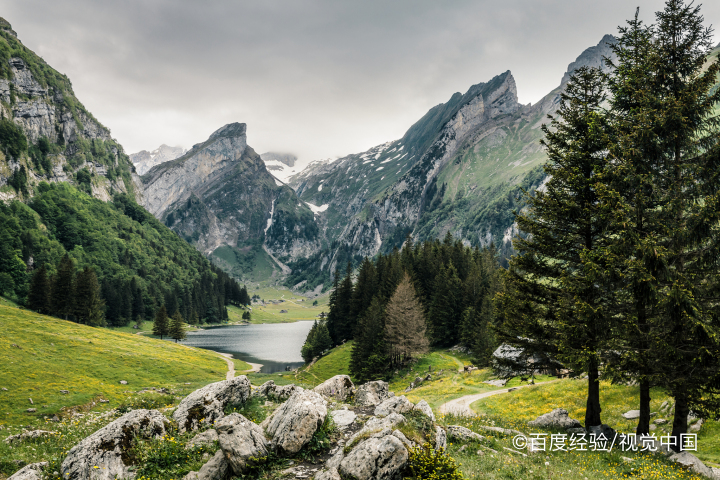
x=63, y=247
x=618, y=272
x=434, y=292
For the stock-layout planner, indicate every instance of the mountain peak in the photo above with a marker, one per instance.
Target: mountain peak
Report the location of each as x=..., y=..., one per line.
x=287, y=158
x=5, y=26
x=593, y=57
x=230, y=130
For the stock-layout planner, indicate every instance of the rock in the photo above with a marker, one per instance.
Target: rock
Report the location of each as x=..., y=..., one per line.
x=604, y=430
x=715, y=472
x=4, y=389
x=276, y=392
x=331, y=474
x=339, y=387
x=401, y=436
x=208, y=437
x=558, y=418
x=108, y=447
x=31, y=410
x=695, y=427
x=375, y=424
x=423, y=407
x=575, y=430
x=393, y=405
x=64, y=392
x=691, y=462
x=242, y=442
x=417, y=381
x=293, y=424
x=206, y=405
x=31, y=401
x=28, y=435
x=660, y=421
x=381, y=458
x=652, y=427
x=123, y=382
x=371, y=393
x=627, y=459
x=631, y=415
x=30, y=472
x=104, y=401
x=440, y=438
x=216, y=469
x=663, y=405
x=343, y=418
x=463, y=434
x=409, y=388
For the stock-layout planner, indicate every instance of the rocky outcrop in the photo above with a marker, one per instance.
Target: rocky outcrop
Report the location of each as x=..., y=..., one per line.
x=104, y=454
x=339, y=388
x=394, y=405
x=215, y=469
x=206, y=405
x=279, y=393
x=27, y=435
x=692, y=463
x=34, y=471
x=463, y=434
x=381, y=457
x=440, y=437
x=424, y=407
x=375, y=424
x=242, y=442
x=371, y=393
x=343, y=418
x=293, y=424
x=558, y=418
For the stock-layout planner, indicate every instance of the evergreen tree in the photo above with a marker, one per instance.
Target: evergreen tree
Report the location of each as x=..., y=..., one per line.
x=7, y=285
x=365, y=288
x=177, y=327
x=551, y=294
x=369, y=359
x=194, y=319
x=666, y=180
x=246, y=315
x=160, y=326
x=63, y=288
x=39, y=294
x=307, y=351
x=322, y=338
x=405, y=323
x=445, y=307
x=345, y=326
x=89, y=308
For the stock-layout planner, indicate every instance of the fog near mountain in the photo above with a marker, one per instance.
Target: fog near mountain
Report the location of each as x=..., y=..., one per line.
x=316, y=78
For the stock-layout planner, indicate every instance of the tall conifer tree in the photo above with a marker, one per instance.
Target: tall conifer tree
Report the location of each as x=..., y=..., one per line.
x=63, y=288
x=161, y=327
x=39, y=294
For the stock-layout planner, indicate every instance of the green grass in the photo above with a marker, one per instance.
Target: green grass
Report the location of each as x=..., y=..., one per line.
x=337, y=362
x=529, y=403
x=56, y=355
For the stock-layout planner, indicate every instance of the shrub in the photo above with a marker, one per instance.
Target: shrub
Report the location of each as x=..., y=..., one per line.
x=12, y=138
x=426, y=463
x=320, y=441
x=167, y=457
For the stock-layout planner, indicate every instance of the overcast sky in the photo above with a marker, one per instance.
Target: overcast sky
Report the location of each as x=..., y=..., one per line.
x=318, y=78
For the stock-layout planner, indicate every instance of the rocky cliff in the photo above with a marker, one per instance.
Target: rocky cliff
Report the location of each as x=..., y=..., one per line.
x=60, y=140
x=459, y=169
x=220, y=195
x=144, y=160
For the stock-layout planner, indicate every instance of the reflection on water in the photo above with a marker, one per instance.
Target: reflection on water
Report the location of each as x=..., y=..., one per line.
x=275, y=345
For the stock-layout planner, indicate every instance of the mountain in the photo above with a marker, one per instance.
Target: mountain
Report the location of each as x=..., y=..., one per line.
x=220, y=197
x=280, y=164
x=460, y=169
x=67, y=188
x=47, y=134
x=144, y=160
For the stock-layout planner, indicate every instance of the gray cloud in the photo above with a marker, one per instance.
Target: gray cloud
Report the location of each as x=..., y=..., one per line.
x=315, y=77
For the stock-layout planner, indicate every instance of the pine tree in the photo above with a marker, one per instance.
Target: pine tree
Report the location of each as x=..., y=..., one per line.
x=369, y=359
x=39, y=294
x=89, y=307
x=551, y=301
x=323, y=341
x=333, y=320
x=666, y=180
x=160, y=326
x=365, y=288
x=177, y=327
x=405, y=333
x=445, y=307
x=307, y=351
x=63, y=288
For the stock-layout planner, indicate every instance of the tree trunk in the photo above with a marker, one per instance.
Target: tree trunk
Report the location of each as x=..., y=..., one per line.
x=592, y=409
x=680, y=419
x=643, y=427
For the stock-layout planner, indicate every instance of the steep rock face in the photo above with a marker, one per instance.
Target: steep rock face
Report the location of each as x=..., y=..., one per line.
x=41, y=102
x=459, y=169
x=144, y=160
x=220, y=194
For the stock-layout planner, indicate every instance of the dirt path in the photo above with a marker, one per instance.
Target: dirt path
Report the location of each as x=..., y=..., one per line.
x=461, y=406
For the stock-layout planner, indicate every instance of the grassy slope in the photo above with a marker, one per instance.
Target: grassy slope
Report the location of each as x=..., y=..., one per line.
x=59, y=355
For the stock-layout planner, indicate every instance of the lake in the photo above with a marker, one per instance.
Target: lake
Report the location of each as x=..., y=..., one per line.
x=275, y=345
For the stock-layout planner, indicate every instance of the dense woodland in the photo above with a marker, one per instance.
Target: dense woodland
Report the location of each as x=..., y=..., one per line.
x=435, y=293
x=64, y=250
